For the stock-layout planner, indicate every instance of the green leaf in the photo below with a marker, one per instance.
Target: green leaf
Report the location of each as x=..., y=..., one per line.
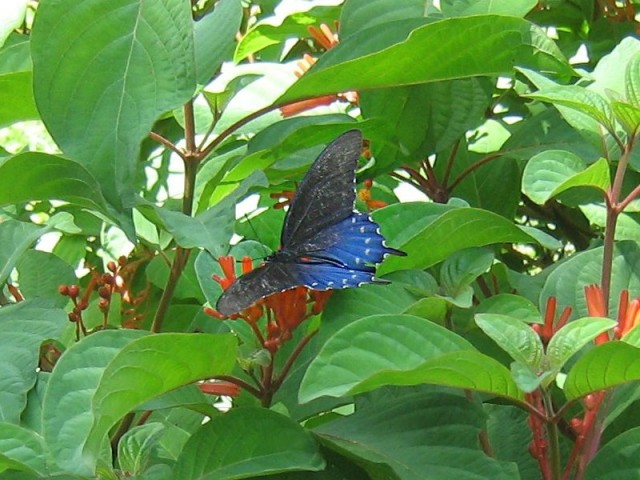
x=463, y=267
x=371, y=346
x=73, y=383
x=214, y=38
x=135, y=447
x=552, y=172
x=415, y=437
x=632, y=80
x=579, y=98
x=567, y=280
x=568, y=341
x=39, y=176
x=510, y=435
x=628, y=116
x=22, y=449
x=150, y=366
x=358, y=15
x=246, y=443
x=15, y=238
x=459, y=8
x=452, y=230
x=41, y=273
x=23, y=328
x=606, y=366
x=619, y=458
x=420, y=56
x=100, y=89
x=515, y=337
x=464, y=369
x=211, y=229
x=17, y=92
x=512, y=305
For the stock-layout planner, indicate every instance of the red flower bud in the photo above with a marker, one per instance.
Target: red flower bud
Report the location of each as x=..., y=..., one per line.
x=63, y=290
x=74, y=291
x=107, y=279
x=112, y=267
x=104, y=292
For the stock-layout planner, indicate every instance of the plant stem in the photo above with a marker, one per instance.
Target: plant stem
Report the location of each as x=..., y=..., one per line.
x=292, y=358
x=552, y=435
x=191, y=159
x=613, y=210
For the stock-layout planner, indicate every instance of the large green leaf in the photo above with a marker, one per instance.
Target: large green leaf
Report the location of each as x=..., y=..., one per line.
x=136, y=446
x=150, y=366
x=23, y=328
x=579, y=98
x=100, y=89
x=619, y=458
x=460, y=8
x=246, y=443
x=22, y=449
x=358, y=15
x=567, y=281
x=424, y=118
x=40, y=176
x=414, y=225
x=73, y=383
x=421, y=56
x=552, y=172
x=606, y=366
x=371, y=346
x=416, y=437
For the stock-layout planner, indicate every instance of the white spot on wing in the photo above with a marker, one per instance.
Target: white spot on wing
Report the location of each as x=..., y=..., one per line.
x=367, y=240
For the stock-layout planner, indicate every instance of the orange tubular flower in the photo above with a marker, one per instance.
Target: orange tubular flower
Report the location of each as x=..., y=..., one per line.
x=550, y=326
x=364, y=194
x=595, y=306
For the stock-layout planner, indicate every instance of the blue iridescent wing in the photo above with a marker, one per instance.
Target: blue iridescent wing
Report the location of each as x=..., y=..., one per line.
x=326, y=194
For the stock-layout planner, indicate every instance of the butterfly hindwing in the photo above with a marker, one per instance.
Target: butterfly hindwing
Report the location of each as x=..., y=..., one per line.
x=354, y=243
x=326, y=194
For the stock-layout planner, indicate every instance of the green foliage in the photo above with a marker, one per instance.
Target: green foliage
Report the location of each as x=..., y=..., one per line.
x=505, y=344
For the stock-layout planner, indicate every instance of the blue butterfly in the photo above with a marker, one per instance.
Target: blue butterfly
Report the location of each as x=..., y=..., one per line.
x=325, y=243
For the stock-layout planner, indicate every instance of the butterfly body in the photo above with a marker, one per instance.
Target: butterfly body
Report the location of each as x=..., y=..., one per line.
x=325, y=243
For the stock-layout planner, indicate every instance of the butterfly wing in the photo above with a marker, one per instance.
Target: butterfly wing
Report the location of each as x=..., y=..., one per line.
x=353, y=243
x=326, y=194
x=271, y=278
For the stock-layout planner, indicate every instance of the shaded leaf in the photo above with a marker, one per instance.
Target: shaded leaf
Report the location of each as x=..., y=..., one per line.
x=73, y=383
x=23, y=328
x=22, y=449
x=415, y=437
x=150, y=366
x=246, y=442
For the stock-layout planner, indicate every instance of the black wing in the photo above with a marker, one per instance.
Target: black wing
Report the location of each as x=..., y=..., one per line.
x=326, y=194
x=259, y=283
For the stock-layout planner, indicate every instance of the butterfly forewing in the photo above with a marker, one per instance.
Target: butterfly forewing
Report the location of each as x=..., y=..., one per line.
x=251, y=287
x=326, y=194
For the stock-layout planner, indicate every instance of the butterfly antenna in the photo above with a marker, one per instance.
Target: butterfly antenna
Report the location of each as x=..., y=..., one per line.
x=255, y=233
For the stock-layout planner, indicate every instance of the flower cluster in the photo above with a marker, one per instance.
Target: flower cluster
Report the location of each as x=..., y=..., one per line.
x=284, y=311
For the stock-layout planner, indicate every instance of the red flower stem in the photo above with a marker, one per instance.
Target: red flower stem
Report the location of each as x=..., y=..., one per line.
x=552, y=436
x=292, y=358
x=613, y=210
x=257, y=332
x=241, y=383
x=267, y=382
x=450, y=162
